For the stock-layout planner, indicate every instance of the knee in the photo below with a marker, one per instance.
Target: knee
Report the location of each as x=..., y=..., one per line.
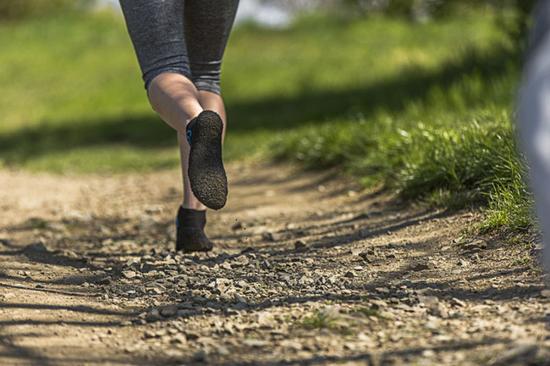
x=155, y=87
x=165, y=84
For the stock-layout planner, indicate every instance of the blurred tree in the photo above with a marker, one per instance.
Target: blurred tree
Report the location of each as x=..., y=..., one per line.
x=514, y=15
x=523, y=19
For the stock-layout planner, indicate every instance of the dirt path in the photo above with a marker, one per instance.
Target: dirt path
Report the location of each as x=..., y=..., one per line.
x=307, y=271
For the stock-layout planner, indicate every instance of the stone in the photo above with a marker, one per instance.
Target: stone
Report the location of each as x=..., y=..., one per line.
x=300, y=245
x=191, y=335
x=422, y=266
x=271, y=236
x=475, y=245
x=291, y=344
x=239, y=225
x=129, y=274
x=429, y=301
x=178, y=339
x=256, y=343
x=365, y=256
x=457, y=302
x=241, y=260
x=153, y=315
x=105, y=280
x=169, y=311
x=148, y=334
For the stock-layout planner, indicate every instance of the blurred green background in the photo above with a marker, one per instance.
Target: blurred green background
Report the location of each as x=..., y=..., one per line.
x=413, y=95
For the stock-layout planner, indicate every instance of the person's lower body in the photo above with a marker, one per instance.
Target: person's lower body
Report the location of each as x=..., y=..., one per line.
x=180, y=45
x=534, y=118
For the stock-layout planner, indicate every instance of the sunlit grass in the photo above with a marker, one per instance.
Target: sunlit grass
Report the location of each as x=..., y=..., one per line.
x=424, y=108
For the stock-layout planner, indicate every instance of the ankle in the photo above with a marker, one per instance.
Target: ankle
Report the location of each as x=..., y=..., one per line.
x=196, y=206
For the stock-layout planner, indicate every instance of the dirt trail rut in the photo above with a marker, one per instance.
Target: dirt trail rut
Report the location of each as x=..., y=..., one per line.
x=308, y=270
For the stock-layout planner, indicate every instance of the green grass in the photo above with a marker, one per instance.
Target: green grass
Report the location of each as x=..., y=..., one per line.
x=318, y=320
x=424, y=108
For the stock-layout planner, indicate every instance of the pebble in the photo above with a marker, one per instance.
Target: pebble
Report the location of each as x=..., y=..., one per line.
x=475, y=245
x=269, y=236
x=420, y=267
x=129, y=274
x=178, y=339
x=153, y=315
x=457, y=302
x=149, y=334
x=169, y=311
x=366, y=256
x=105, y=280
x=256, y=343
x=238, y=226
x=300, y=245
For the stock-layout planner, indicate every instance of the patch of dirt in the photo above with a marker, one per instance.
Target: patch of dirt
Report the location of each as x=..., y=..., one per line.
x=308, y=269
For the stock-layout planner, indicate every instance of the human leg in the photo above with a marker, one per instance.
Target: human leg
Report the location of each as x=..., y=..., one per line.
x=156, y=30
x=534, y=118
x=207, y=27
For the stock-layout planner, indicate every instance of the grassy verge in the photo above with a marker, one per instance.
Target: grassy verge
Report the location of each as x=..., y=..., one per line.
x=424, y=108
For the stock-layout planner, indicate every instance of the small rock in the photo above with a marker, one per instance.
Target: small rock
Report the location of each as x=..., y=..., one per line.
x=457, y=302
x=238, y=226
x=191, y=335
x=429, y=301
x=420, y=266
x=169, y=311
x=428, y=353
x=270, y=236
x=387, y=315
x=222, y=350
x=105, y=280
x=153, y=315
x=149, y=334
x=439, y=310
x=366, y=256
x=300, y=245
x=242, y=260
x=293, y=345
x=178, y=339
x=349, y=274
x=225, y=265
x=129, y=274
x=475, y=245
x=256, y=343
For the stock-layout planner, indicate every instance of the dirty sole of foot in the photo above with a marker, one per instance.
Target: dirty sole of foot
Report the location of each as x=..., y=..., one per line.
x=206, y=171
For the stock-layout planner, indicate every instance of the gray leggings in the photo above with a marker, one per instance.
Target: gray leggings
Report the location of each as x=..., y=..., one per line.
x=187, y=37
